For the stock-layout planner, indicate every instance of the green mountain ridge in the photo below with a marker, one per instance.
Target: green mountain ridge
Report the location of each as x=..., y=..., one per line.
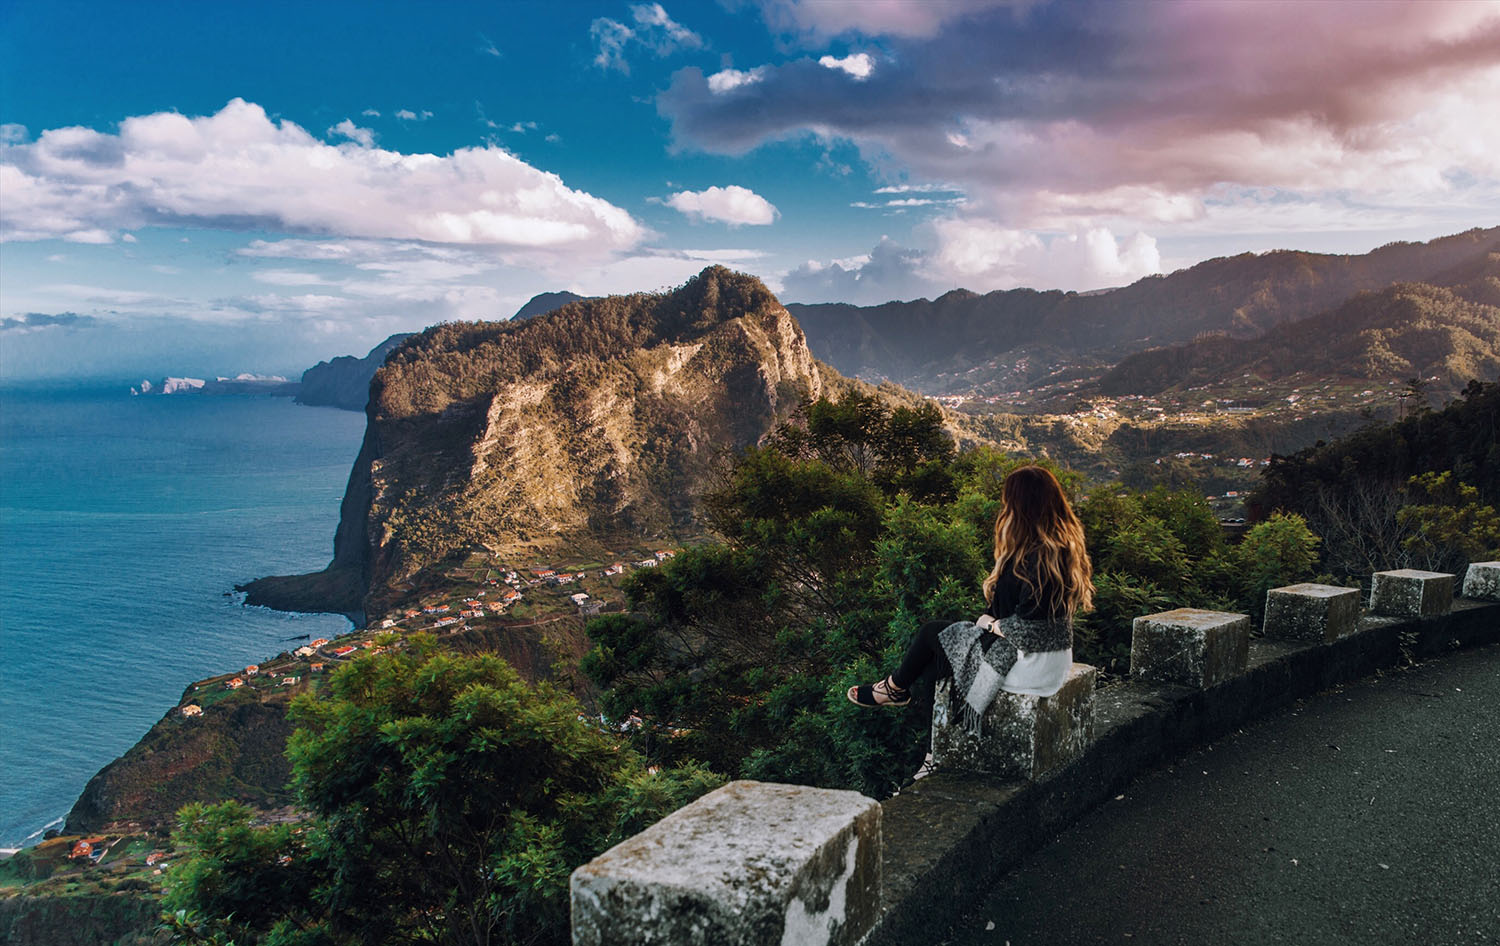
x=1015, y=337
x=1448, y=330
x=344, y=382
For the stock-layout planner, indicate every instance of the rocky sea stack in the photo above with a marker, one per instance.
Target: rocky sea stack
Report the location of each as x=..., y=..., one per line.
x=595, y=422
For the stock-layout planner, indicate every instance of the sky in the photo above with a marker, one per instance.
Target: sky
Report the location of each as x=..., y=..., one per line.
x=208, y=189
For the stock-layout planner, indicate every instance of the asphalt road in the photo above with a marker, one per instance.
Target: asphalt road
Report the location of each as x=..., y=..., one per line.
x=1369, y=814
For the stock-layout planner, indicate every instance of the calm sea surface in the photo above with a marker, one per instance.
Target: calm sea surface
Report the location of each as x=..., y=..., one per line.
x=122, y=523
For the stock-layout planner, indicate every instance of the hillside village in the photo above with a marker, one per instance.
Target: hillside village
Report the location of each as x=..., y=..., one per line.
x=477, y=593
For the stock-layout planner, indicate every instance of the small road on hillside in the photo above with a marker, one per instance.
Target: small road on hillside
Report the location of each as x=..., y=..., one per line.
x=1366, y=815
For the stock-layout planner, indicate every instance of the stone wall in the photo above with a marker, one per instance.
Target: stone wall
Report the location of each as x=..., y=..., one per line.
x=950, y=836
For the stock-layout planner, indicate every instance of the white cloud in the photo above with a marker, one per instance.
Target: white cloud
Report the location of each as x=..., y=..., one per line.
x=652, y=16
x=727, y=80
x=917, y=189
x=858, y=65
x=903, y=203
x=610, y=37
x=487, y=47
x=982, y=255
x=370, y=113
x=889, y=271
x=238, y=170
x=522, y=128
x=363, y=137
x=288, y=277
x=407, y=115
x=821, y=19
x=733, y=205
x=653, y=29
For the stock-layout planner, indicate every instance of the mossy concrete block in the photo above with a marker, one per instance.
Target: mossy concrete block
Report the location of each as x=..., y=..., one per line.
x=1189, y=646
x=1482, y=580
x=1311, y=612
x=1020, y=736
x=1411, y=593
x=748, y=863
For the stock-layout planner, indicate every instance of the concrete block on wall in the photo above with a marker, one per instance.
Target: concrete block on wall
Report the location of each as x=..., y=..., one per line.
x=1189, y=646
x=1019, y=736
x=1409, y=592
x=1311, y=612
x=748, y=863
x=1482, y=580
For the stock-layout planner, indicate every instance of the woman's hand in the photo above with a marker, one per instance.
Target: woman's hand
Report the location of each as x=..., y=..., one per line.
x=985, y=622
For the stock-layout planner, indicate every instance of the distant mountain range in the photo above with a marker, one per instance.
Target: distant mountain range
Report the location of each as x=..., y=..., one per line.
x=542, y=303
x=1447, y=328
x=1006, y=341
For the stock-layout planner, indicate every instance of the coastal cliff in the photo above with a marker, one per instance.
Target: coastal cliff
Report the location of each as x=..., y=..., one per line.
x=344, y=382
x=596, y=422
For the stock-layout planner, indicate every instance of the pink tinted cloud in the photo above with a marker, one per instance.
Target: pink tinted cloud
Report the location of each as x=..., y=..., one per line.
x=1088, y=111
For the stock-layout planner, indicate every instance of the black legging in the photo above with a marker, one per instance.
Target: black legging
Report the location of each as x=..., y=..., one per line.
x=925, y=653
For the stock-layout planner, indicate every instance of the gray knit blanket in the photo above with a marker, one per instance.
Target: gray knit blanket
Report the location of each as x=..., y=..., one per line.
x=981, y=658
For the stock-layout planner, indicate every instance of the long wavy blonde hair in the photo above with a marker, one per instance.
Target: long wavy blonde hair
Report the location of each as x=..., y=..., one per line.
x=1038, y=527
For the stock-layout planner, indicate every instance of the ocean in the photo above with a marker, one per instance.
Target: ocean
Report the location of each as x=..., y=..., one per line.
x=123, y=522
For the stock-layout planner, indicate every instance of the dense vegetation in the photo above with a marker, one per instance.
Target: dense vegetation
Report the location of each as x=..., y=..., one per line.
x=841, y=535
x=448, y=801
x=458, y=361
x=1419, y=492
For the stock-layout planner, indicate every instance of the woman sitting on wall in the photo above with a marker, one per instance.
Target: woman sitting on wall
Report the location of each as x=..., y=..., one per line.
x=1023, y=642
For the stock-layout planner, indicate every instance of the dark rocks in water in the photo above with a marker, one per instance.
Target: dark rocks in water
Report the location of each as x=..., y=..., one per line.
x=344, y=382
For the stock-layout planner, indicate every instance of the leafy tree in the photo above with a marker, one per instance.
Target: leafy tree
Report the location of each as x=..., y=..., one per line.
x=1447, y=527
x=739, y=653
x=1351, y=491
x=1277, y=552
x=449, y=801
x=243, y=883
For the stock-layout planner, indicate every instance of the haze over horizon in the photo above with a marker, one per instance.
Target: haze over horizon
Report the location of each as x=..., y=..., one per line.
x=221, y=188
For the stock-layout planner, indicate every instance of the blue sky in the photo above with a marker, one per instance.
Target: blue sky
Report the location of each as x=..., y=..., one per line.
x=214, y=188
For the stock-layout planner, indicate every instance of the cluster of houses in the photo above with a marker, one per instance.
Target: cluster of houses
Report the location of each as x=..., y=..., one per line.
x=1243, y=463
x=281, y=678
x=88, y=851
x=480, y=604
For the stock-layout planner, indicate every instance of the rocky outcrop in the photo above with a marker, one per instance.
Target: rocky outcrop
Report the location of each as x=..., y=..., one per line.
x=233, y=751
x=596, y=423
x=345, y=381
